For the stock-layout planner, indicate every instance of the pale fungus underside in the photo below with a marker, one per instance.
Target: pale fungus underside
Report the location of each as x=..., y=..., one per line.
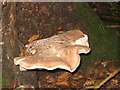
x=59, y=51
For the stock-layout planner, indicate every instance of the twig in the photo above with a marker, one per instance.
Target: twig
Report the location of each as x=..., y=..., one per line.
x=106, y=17
x=113, y=26
x=105, y=80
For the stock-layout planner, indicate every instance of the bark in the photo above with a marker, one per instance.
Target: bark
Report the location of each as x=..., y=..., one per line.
x=12, y=76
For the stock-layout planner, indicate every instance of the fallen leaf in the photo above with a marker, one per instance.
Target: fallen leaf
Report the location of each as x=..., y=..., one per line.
x=23, y=53
x=77, y=76
x=50, y=79
x=63, y=77
x=33, y=38
x=59, y=29
x=114, y=82
x=112, y=68
x=89, y=83
x=74, y=83
x=63, y=83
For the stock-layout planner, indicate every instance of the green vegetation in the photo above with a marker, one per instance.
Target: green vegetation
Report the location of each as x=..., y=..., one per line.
x=5, y=81
x=103, y=42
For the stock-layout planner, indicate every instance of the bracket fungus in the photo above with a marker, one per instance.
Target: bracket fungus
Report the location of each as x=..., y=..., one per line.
x=58, y=51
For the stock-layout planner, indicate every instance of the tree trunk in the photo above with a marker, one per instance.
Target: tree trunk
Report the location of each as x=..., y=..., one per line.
x=11, y=75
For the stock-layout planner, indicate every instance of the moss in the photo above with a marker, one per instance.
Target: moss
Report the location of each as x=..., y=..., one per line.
x=0, y=79
x=5, y=81
x=103, y=42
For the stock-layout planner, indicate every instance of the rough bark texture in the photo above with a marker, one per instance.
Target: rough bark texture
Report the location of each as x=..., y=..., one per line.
x=11, y=75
